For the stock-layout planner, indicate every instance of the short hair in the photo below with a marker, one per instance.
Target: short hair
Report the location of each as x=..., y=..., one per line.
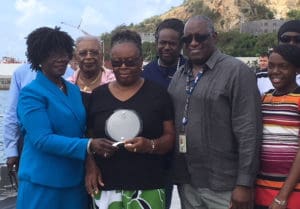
x=171, y=23
x=289, y=26
x=264, y=54
x=43, y=41
x=209, y=22
x=125, y=36
x=88, y=37
x=290, y=53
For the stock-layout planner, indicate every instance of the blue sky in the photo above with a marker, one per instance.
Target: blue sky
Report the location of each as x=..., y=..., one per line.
x=19, y=17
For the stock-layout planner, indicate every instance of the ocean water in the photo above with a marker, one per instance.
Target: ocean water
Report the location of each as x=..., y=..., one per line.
x=3, y=105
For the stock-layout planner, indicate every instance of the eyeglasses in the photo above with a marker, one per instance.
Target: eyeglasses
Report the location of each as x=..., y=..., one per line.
x=198, y=37
x=12, y=174
x=127, y=62
x=288, y=39
x=92, y=53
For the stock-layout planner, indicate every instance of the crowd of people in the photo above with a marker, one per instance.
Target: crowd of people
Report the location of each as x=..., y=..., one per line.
x=227, y=137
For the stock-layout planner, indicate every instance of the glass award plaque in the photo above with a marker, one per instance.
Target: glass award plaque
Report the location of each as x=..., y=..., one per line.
x=123, y=124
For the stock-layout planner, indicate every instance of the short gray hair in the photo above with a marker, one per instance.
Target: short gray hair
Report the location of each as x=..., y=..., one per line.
x=207, y=20
x=88, y=37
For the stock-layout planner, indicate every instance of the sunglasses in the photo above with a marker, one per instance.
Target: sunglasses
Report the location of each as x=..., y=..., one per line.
x=127, y=62
x=288, y=39
x=198, y=37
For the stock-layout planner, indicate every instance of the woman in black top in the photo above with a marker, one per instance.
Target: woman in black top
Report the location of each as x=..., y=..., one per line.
x=133, y=176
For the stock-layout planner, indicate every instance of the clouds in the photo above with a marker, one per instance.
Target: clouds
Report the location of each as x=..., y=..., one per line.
x=18, y=18
x=30, y=10
x=94, y=20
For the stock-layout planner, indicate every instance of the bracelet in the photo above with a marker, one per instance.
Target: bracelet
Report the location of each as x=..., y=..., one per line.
x=279, y=202
x=88, y=147
x=152, y=145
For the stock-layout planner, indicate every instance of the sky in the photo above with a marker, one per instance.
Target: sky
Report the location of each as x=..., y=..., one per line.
x=19, y=17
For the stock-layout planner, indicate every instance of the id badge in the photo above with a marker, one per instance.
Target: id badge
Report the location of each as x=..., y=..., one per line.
x=182, y=143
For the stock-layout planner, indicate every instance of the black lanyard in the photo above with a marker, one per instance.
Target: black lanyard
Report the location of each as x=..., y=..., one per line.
x=191, y=83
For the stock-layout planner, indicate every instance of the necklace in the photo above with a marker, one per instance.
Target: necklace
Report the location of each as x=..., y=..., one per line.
x=88, y=85
x=60, y=84
x=177, y=67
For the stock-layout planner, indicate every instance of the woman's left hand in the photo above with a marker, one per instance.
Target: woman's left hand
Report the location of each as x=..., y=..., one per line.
x=139, y=145
x=93, y=178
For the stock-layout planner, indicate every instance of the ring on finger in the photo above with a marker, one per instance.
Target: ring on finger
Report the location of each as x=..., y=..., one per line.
x=95, y=191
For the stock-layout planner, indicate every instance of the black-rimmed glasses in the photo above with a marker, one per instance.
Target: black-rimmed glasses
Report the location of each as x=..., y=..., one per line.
x=197, y=37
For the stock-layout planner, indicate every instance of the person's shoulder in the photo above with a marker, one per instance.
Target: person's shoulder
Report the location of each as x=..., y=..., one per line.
x=150, y=65
x=233, y=60
x=31, y=88
x=73, y=77
x=297, y=90
x=23, y=69
x=69, y=72
x=262, y=74
x=270, y=91
x=154, y=87
x=71, y=85
x=108, y=72
x=100, y=89
x=235, y=65
x=108, y=75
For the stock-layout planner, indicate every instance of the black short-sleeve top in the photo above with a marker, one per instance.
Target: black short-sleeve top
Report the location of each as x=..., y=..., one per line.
x=127, y=170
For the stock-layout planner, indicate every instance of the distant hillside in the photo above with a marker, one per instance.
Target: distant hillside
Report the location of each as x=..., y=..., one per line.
x=227, y=14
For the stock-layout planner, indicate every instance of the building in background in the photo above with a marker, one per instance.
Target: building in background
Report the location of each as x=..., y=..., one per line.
x=259, y=27
x=6, y=71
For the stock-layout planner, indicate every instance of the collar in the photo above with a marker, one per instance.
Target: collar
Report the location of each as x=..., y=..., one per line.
x=216, y=57
x=213, y=60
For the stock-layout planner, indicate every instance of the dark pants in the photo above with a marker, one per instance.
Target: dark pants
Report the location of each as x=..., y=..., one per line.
x=169, y=191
